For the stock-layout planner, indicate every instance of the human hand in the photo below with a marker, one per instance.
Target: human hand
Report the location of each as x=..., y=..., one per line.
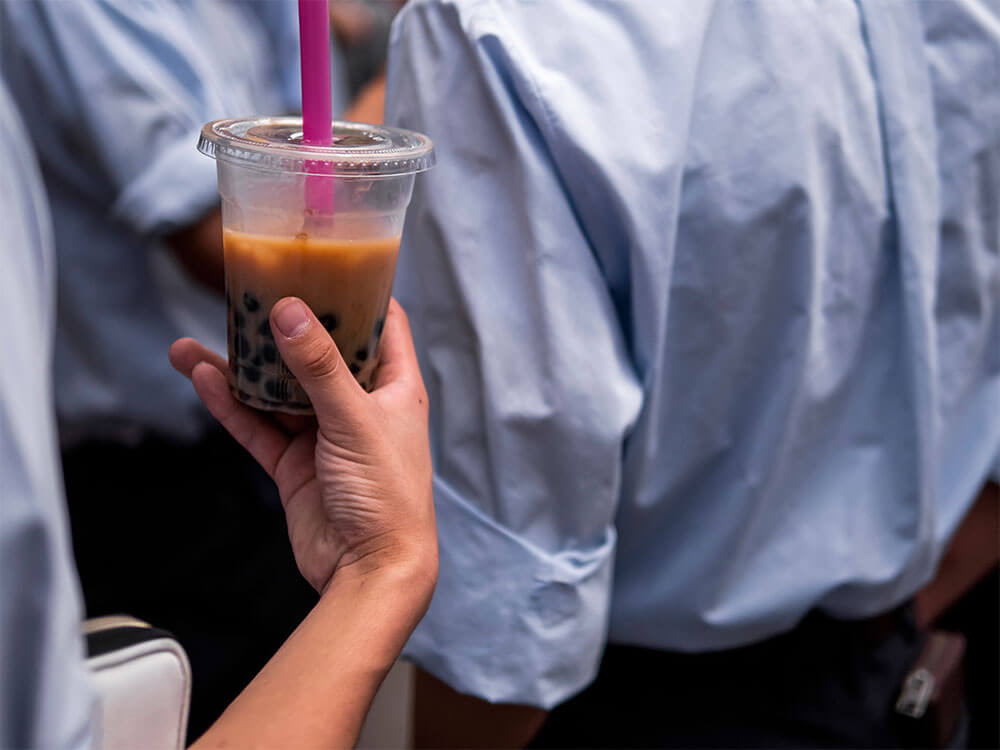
x=355, y=480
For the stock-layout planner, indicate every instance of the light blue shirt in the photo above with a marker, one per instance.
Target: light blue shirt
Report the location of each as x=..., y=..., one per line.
x=46, y=698
x=114, y=93
x=707, y=300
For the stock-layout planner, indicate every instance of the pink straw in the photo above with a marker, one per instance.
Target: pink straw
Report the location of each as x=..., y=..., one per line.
x=317, y=114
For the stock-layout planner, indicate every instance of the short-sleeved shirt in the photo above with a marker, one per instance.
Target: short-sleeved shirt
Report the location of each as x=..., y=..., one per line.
x=707, y=301
x=46, y=698
x=114, y=93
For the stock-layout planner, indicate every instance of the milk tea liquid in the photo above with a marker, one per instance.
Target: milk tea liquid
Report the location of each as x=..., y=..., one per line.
x=347, y=283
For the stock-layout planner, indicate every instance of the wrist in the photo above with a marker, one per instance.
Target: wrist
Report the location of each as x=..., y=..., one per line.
x=389, y=599
x=406, y=573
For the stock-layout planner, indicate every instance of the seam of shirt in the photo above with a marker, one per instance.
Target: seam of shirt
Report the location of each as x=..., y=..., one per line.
x=547, y=126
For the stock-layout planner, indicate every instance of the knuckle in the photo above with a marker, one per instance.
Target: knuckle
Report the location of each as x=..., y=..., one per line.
x=323, y=361
x=401, y=313
x=398, y=315
x=419, y=394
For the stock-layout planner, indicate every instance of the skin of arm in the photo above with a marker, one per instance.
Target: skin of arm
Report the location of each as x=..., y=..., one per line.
x=369, y=105
x=974, y=551
x=444, y=718
x=317, y=688
x=198, y=248
x=355, y=483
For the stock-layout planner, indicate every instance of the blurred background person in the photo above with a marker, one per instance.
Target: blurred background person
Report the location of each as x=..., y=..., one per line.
x=707, y=301
x=46, y=697
x=361, y=28
x=375, y=570
x=172, y=521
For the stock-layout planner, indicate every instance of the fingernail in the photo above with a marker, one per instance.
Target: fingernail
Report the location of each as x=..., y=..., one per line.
x=291, y=318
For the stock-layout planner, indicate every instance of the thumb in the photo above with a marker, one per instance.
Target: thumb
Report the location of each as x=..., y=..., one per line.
x=314, y=359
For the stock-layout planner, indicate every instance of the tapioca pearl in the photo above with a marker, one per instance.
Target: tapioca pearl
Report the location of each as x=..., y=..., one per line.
x=269, y=353
x=251, y=303
x=353, y=367
x=242, y=346
x=329, y=322
x=239, y=319
x=257, y=361
x=250, y=374
x=276, y=389
x=264, y=329
x=361, y=355
x=379, y=327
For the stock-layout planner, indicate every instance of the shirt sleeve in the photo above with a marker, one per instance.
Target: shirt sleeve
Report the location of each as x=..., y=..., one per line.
x=531, y=384
x=114, y=94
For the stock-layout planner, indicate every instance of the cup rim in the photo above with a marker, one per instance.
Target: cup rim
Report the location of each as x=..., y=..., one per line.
x=359, y=150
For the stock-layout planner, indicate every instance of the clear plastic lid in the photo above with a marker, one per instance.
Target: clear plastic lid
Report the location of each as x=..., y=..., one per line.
x=358, y=150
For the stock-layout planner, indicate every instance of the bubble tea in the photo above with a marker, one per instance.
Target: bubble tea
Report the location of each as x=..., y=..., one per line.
x=319, y=223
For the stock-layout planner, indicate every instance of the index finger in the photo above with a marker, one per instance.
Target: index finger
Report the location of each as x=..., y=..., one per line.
x=262, y=438
x=185, y=353
x=399, y=358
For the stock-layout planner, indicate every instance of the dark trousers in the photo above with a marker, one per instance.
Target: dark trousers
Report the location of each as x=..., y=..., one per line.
x=828, y=683
x=192, y=539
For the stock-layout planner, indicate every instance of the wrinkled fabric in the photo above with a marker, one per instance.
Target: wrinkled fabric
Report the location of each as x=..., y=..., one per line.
x=46, y=698
x=716, y=280
x=114, y=93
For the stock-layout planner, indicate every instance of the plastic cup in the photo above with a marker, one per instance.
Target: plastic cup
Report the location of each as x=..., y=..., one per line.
x=322, y=223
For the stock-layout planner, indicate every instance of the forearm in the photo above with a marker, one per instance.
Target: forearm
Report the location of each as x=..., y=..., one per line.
x=974, y=551
x=444, y=718
x=198, y=248
x=317, y=688
x=368, y=106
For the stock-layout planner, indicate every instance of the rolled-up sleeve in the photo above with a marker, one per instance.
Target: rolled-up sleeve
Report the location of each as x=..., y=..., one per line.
x=531, y=383
x=115, y=93
x=174, y=189
x=512, y=622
